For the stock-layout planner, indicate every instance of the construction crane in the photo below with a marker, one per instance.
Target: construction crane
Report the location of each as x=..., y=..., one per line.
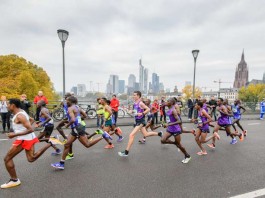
x=220, y=82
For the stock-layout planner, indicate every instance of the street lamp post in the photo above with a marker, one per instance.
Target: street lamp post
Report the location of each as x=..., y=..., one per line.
x=195, y=55
x=63, y=36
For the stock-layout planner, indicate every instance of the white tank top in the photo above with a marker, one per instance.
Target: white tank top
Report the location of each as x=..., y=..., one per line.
x=18, y=128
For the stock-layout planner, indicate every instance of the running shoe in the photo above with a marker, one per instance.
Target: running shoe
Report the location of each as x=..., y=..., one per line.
x=120, y=139
x=217, y=135
x=234, y=141
x=109, y=146
x=122, y=154
x=106, y=135
x=58, y=152
x=11, y=184
x=241, y=137
x=58, y=165
x=55, y=141
x=64, y=141
x=69, y=156
x=245, y=133
x=186, y=160
x=160, y=134
x=212, y=146
x=142, y=141
x=202, y=153
x=99, y=131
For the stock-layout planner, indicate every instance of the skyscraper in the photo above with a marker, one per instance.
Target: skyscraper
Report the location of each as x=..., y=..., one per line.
x=145, y=80
x=114, y=84
x=121, y=86
x=81, y=90
x=131, y=80
x=241, y=76
x=141, y=75
x=155, y=83
x=74, y=90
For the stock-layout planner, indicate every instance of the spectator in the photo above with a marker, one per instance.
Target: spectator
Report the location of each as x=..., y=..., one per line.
x=213, y=105
x=262, y=108
x=5, y=115
x=25, y=104
x=39, y=97
x=114, y=104
x=155, y=108
x=190, y=106
x=195, y=110
x=100, y=113
x=163, y=109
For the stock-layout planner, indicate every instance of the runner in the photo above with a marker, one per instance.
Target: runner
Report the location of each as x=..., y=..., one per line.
x=107, y=122
x=223, y=121
x=113, y=127
x=150, y=120
x=65, y=119
x=74, y=118
x=236, y=109
x=262, y=109
x=26, y=140
x=47, y=122
x=203, y=121
x=140, y=110
x=174, y=129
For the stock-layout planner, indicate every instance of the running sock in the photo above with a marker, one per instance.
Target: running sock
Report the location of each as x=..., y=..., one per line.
x=110, y=143
x=57, y=150
x=126, y=152
x=14, y=180
x=160, y=134
x=62, y=162
x=187, y=156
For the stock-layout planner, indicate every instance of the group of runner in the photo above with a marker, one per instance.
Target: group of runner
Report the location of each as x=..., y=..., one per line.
x=74, y=119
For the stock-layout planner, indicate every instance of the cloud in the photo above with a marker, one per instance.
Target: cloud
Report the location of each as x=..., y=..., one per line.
x=109, y=37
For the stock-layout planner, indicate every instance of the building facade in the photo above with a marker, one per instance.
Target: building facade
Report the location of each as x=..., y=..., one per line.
x=241, y=75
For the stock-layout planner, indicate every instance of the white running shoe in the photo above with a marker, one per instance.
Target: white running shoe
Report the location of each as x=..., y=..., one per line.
x=11, y=184
x=186, y=160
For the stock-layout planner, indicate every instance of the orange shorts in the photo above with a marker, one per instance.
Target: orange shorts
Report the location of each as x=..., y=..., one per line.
x=26, y=144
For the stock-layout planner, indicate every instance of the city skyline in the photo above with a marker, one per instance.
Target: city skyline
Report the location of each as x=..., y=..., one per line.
x=124, y=31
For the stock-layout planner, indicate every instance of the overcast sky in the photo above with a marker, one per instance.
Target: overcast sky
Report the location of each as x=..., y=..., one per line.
x=109, y=36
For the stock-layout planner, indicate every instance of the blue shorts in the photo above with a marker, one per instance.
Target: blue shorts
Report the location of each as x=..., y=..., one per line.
x=139, y=122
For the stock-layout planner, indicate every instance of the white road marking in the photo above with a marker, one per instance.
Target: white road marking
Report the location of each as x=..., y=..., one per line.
x=253, y=123
x=256, y=193
x=3, y=139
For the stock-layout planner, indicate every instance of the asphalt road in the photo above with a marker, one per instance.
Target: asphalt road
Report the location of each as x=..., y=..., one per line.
x=151, y=170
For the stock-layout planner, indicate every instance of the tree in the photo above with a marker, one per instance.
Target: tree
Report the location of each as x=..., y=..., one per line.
x=187, y=92
x=19, y=76
x=252, y=94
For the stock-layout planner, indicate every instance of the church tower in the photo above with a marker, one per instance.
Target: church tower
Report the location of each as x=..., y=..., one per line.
x=241, y=76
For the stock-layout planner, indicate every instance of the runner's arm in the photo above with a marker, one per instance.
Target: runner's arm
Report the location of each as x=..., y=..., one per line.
x=72, y=117
x=46, y=116
x=175, y=113
x=146, y=108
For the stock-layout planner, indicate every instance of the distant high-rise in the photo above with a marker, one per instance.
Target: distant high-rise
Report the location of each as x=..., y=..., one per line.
x=131, y=80
x=161, y=87
x=145, y=80
x=81, y=90
x=74, y=90
x=141, y=75
x=113, y=85
x=121, y=86
x=241, y=76
x=136, y=86
x=155, y=83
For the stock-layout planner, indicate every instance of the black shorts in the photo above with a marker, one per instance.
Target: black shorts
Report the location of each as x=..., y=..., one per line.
x=48, y=129
x=224, y=125
x=140, y=122
x=78, y=131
